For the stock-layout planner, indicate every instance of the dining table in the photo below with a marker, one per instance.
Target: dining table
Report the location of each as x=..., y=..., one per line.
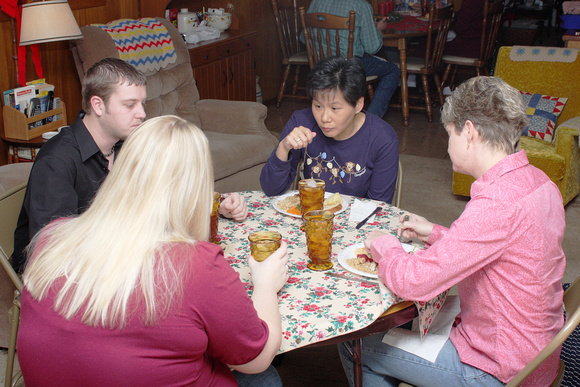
x=397, y=35
x=324, y=307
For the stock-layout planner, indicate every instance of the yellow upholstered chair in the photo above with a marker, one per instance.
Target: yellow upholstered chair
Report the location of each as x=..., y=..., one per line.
x=560, y=158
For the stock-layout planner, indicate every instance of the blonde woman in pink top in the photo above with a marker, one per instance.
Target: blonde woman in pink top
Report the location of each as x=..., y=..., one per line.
x=504, y=253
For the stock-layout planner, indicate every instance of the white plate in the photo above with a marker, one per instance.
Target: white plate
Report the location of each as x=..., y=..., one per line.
x=291, y=193
x=348, y=252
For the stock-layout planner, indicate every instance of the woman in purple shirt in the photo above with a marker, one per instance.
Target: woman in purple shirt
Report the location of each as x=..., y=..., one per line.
x=504, y=253
x=354, y=152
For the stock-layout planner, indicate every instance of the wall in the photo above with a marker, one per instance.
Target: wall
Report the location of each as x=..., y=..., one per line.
x=58, y=63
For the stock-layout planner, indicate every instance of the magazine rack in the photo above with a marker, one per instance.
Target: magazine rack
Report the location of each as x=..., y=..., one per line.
x=17, y=124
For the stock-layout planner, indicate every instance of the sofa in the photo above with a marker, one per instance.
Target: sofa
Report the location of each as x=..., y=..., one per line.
x=559, y=157
x=239, y=141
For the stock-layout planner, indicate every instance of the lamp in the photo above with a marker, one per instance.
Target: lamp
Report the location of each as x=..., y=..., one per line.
x=48, y=21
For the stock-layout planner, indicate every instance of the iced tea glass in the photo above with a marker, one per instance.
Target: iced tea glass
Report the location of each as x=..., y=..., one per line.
x=214, y=218
x=263, y=244
x=311, y=197
x=318, y=225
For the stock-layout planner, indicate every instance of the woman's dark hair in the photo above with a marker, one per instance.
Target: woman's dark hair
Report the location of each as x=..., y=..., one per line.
x=338, y=73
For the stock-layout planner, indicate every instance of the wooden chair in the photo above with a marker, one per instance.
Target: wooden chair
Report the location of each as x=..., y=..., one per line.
x=323, y=40
x=492, y=17
x=287, y=25
x=10, y=204
x=572, y=305
x=428, y=66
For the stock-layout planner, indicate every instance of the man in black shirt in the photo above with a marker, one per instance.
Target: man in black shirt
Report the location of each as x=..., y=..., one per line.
x=70, y=168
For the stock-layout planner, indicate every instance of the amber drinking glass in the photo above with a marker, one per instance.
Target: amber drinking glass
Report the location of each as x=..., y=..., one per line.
x=311, y=193
x=318, y=226
x=214, y=218
x=263, y=244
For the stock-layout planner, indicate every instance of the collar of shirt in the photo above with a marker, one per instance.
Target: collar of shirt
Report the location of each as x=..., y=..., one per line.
x=508, y=164
x=87, y=145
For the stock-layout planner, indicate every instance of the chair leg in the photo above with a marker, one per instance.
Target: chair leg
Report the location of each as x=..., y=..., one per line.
x=283, y=85
x=452, y=80
x=296, y=76
x=371, y=91
x=12, y=344
x=446, y=76
x=427, y=98
x=439, y=89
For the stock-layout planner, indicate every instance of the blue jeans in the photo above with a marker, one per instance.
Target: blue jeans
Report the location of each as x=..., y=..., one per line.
x=389, y=78
x=384, y=365
x=268, y=378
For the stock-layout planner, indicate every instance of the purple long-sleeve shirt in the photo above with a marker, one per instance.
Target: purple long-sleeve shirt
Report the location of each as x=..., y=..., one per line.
x=364, y=165
x=505, y=254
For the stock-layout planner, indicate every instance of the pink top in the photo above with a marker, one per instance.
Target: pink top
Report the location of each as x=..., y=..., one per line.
x=505, y=254
x=215, y=324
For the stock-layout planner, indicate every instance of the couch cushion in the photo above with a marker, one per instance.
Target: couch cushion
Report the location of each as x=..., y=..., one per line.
x=234, y=152
x=543, y=111
x=167, y=89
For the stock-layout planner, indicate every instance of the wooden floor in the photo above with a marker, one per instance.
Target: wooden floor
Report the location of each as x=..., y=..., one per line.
x=321, y=366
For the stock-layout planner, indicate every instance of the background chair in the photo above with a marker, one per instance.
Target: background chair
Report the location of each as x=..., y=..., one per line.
x=10, y=204
x=239, y=141
x=572, y=305
x=560, y=158
x=323, y=40
x=428, y=66
x=288, y=28
x=492, y=17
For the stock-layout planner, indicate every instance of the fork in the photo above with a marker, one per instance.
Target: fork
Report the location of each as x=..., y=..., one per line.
x=406, y=218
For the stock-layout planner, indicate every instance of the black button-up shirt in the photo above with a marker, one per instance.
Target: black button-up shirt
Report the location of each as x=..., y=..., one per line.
x=67, y=172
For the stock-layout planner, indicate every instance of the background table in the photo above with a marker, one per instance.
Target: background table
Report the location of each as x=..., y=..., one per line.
x=313, y=306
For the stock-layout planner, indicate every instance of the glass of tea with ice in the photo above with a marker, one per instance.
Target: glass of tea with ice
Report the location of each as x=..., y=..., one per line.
x=311, y=193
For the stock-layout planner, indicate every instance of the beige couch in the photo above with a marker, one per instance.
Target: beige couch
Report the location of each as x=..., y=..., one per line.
x=239, y=141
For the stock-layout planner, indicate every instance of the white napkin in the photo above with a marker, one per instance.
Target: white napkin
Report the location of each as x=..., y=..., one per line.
x=429, y=348
x=201, y=33
x=360, y=210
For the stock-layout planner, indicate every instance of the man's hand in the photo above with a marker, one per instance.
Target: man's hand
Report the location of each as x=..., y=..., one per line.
x=382, y=25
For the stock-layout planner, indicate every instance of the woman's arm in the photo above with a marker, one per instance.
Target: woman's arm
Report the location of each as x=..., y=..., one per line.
x=268, y=277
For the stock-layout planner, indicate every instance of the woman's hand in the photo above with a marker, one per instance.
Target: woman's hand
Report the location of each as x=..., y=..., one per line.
x=234, y=207
x=415, y=227
x=271, y=274
x=298, y=138
x=371, y=238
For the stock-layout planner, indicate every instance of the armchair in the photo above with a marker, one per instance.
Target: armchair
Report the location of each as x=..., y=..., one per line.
x=239, y=142
x=559, y=159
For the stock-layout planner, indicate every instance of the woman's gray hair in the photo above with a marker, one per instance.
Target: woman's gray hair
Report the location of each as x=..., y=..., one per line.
x=496, y=109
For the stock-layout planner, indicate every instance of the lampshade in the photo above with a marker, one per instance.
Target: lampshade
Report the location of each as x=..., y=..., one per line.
x=48, y=21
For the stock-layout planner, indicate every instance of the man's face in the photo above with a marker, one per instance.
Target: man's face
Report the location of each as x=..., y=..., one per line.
x=124, y=111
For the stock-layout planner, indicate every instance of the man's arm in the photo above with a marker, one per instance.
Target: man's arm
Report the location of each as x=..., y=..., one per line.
x=51, y=192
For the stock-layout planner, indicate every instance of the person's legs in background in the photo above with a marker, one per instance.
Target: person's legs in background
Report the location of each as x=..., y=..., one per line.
x=389, y=78
x=384, y=365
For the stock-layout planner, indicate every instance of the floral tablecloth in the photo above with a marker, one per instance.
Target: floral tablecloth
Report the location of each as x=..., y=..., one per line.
x=314, y=306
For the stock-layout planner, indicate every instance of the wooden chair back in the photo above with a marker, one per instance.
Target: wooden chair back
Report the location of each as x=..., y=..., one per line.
x=492, y=17
x=437, y=36
x=287, y=26
x=572, y=305
x=322, y=37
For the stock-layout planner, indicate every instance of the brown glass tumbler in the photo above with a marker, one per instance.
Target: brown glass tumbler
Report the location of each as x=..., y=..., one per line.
x=318, y=226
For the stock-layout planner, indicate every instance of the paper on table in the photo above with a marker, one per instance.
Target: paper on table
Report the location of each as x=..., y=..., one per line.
x=429, y=348
x=360, y=210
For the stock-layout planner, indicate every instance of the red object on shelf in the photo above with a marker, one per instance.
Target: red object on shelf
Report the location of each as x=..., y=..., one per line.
x=383, y=9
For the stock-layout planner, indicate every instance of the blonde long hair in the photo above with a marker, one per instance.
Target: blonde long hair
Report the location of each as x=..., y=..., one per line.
x=158, y=193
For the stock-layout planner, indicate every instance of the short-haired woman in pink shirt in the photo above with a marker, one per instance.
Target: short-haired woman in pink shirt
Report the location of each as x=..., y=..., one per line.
x=504, y=253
